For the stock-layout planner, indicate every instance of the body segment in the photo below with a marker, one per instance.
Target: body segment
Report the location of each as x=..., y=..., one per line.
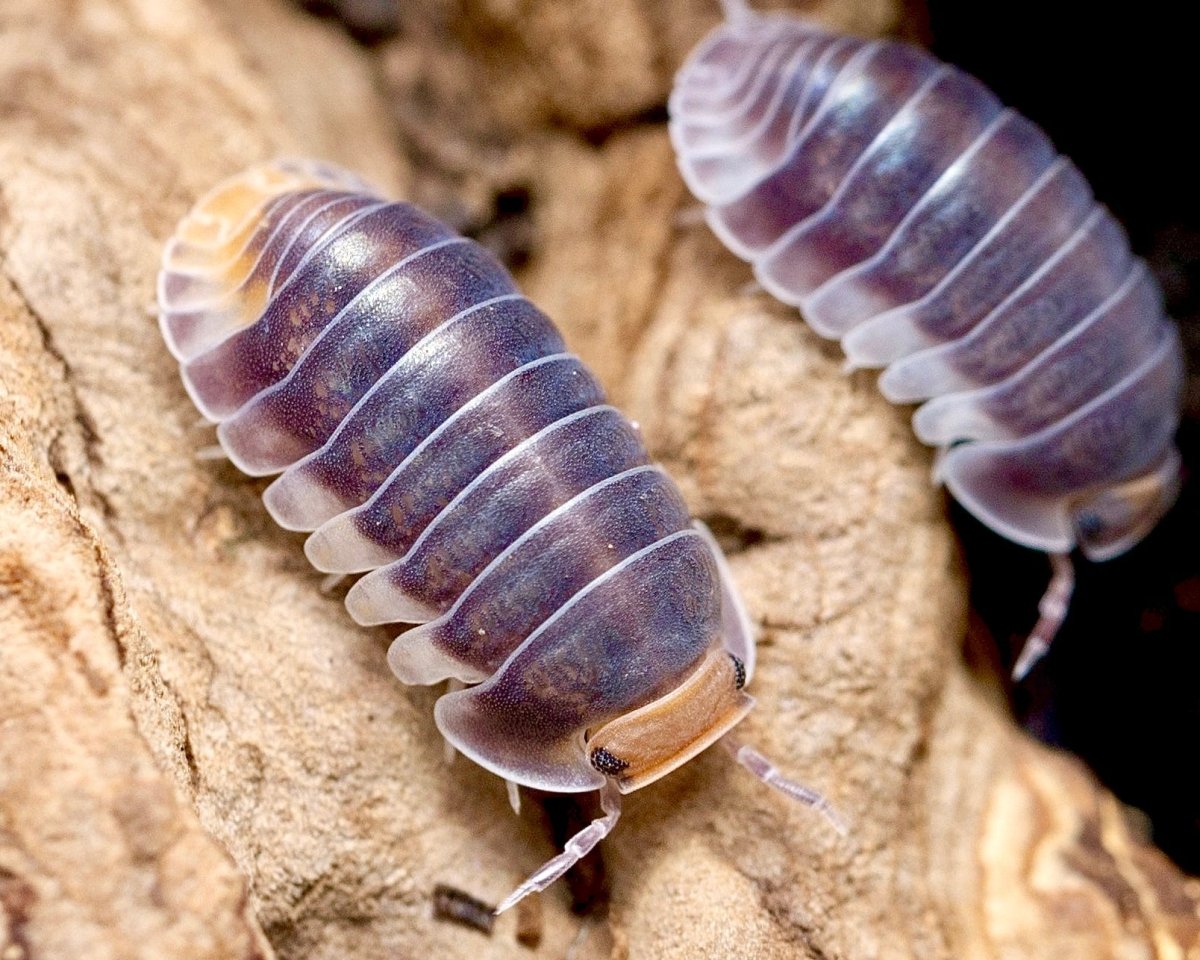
x=431, y=431
x=940, y=236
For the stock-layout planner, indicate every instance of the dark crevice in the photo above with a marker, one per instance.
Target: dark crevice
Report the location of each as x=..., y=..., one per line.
x=58, y=463
x=1118, y=686
x=599, y=134
x=189, y=752
x=458, y=906
x=88, y=434
x=508, y=232
x=732, y=534
x=369, y=22
x=108, y=595
x=587, y=881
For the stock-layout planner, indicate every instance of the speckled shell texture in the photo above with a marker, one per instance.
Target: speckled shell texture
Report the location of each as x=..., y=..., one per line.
x=910, y=215
x=430, y=426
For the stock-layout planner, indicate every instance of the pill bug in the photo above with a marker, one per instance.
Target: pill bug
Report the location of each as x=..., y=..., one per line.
x=940, y=236
x=431, y=431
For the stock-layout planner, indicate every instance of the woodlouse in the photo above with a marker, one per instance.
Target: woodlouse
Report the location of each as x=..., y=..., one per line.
x=431, y=429
x=938, y=235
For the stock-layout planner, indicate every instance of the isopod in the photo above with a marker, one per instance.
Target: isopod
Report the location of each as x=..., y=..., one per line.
x=941, y=237
x=431, y=430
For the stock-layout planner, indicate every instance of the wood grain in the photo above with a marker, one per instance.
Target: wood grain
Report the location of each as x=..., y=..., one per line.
x=201, y=756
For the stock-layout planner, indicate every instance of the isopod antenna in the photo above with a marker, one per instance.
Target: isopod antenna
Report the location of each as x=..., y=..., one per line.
x=1052, y=611
x=574, y=850
x=764, y=770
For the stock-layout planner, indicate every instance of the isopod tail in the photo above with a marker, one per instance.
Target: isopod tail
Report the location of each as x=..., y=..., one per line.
x=208, y=286
x=1111, y=521
x=1106, y=524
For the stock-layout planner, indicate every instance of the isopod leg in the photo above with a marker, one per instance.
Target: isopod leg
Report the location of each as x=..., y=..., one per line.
x=330, y=582
x=514, y=796
x=574, y=850
x=690, y=216
x=211, y=453
x=1052, y=611
x=768, y=773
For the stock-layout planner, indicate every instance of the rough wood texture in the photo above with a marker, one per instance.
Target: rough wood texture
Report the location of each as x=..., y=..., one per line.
x=176, y=696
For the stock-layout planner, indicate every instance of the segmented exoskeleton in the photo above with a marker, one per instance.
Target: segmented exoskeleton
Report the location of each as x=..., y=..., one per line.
x=938, y=235
x=431, y=429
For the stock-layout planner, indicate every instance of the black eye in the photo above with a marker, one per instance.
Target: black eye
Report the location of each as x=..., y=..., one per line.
x=606, y=763
x=739, y=672
x=1089, y=524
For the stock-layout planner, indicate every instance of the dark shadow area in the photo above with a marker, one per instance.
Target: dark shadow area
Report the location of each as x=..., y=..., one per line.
x=367, y=21
x=1121, y=687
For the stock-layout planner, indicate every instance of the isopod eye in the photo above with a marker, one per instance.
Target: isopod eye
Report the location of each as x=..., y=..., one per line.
x=739, y=672
x=606, y=763
x=1088, y=526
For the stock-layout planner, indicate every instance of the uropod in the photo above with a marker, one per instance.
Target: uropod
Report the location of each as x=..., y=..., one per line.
x=431, y=430
x=940, y=236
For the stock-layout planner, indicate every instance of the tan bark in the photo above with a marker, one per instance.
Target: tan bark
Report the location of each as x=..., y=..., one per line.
x=176, y=695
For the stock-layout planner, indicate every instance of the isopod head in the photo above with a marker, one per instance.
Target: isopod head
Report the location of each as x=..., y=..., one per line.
x=645, y=744
x=1113, y=519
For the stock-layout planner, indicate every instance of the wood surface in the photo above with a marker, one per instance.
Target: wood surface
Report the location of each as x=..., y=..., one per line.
x=202, y=757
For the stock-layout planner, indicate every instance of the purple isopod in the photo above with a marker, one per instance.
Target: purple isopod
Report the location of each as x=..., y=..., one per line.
x=431, y=430
x=940, y=236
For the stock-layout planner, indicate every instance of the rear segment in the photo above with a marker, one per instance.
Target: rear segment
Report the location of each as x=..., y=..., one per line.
x=239, y=241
